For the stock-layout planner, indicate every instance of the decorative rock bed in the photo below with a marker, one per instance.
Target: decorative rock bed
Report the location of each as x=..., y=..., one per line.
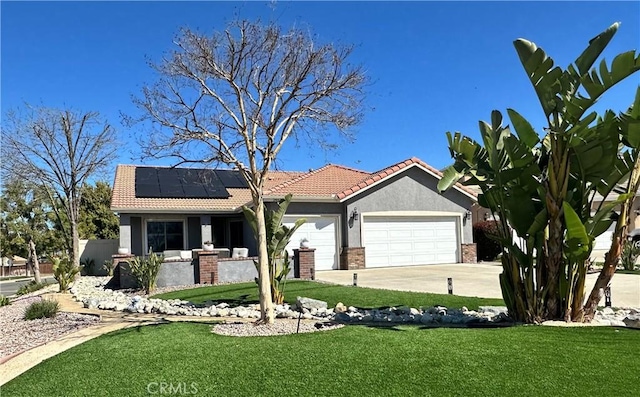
x=91, y=292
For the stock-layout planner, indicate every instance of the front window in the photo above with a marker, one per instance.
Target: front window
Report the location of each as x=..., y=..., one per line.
x=162, y=236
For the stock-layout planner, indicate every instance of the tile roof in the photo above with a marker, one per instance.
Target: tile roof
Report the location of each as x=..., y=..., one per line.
x=375, y=177
x=331, y=182
x=323, y=182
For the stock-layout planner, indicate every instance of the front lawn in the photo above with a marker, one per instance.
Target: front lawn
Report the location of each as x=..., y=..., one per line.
x=352, y=361
x=247, y=293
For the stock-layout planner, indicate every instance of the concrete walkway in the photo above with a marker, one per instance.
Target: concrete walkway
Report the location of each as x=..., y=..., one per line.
x=476, y=279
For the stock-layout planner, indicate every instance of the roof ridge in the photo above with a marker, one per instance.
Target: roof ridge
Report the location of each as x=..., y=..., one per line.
x=348, y=168
x=392, y=169
x=296, y=179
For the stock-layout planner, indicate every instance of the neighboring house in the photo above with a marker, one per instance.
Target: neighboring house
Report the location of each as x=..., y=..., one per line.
x=603, y=241
x=355, y=219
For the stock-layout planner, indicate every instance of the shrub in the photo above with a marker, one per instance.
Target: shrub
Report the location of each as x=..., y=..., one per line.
x=43, y=309
x=630, y=253
x=145, y=270
x=488, y=248
x=109, y=267
x=88, y=266
x=31, y=287
x=64, y=272
x=4, y=301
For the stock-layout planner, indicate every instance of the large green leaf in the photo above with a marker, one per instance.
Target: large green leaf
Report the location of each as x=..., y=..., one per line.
x=523, y=128
x=595, y=48
x=630, y=123
x=578, y=243
x=450, y=177
x=599, y=80
x=541, y=73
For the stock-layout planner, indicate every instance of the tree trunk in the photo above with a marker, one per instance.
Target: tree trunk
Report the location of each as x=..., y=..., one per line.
x=75, y=246
x=612, y=257
x=266, y=303
x=33, y=260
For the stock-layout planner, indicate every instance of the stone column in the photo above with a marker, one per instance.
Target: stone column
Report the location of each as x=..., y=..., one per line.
x=304, y=263
x=352, y=258
x=207, y=267
x=469, y=253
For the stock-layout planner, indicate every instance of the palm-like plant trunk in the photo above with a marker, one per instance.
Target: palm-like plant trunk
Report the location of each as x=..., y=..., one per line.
x=558, y=176
x=612, y=257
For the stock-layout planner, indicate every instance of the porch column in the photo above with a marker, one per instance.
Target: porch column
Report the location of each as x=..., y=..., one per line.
x=205, y=228
x=125, y=231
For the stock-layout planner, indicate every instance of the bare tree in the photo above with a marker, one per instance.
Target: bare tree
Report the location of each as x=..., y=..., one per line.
x=60, y=150
x=236, y=96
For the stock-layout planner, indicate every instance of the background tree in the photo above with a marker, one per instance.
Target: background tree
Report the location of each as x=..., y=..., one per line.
x=235, y=97
x=544, y=186
x=97, y=221
x=59, y=150
x=26, y=224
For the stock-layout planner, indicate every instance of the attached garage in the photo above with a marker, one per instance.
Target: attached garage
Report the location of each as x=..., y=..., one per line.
x=410, y=240
x=322, y=233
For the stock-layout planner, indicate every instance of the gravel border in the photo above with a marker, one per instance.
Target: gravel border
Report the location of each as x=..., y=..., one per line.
x=19, y=335
x=279, y=327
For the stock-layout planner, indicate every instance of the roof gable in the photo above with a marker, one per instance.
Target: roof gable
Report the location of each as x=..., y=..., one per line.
x=384, y=174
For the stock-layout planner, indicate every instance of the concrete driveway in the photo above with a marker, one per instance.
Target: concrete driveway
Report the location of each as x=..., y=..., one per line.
x=479, y=279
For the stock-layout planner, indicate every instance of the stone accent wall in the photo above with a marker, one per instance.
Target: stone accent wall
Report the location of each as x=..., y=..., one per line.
x=469, y=253
x=304, y=263
x=352, y=258
x=207, y=267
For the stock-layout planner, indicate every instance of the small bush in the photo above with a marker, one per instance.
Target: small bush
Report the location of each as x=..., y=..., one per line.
x=145, y=270
x=31, y=287
x=4, y=301
x=630, y=253
x=88, y=266
x=42, y=309
x=109, y=267
x=64, y=272
x=488, y=248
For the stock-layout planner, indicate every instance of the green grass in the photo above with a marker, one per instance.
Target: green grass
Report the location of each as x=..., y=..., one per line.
x=247, y=293
x=352, y=361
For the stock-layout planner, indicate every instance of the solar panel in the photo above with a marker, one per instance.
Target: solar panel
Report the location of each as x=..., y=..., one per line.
x=151, y=182
x=231, y=179
x=147, y=190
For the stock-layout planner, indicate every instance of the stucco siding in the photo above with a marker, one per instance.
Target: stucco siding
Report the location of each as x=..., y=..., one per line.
x=411, y=191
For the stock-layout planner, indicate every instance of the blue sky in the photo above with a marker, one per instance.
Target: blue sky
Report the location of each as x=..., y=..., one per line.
x=435, y=66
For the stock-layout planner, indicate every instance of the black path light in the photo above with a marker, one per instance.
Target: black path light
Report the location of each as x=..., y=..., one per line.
x=355, y=279
x=607, y=296
x=450, y=285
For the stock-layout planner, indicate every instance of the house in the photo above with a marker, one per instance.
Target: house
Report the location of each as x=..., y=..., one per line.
x=354, y=219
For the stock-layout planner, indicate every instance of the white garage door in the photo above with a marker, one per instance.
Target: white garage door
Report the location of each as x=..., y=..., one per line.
x=321, y=233
x=405, y=241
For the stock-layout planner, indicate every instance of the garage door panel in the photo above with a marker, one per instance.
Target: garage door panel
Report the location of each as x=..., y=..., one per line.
x=403, y=241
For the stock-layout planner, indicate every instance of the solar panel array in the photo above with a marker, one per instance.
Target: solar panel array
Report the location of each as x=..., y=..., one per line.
x=152, y=182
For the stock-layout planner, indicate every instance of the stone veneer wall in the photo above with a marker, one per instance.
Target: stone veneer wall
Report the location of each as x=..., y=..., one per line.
x=469, y=253
x=352, y=258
